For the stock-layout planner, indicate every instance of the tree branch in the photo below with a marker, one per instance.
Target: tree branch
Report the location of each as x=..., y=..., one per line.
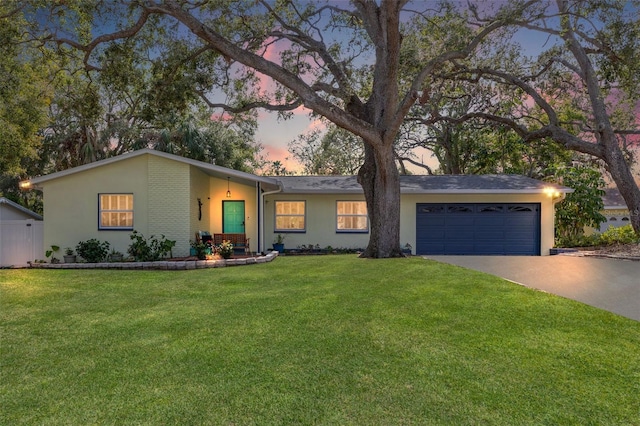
x=88, y=48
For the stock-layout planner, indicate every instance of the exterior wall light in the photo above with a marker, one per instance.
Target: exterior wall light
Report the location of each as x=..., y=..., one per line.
x=228, y=189
x=552, y=192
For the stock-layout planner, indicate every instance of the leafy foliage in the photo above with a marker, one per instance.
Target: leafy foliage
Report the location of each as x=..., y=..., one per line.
x=334, y=152
x=225, y=249
x=582, y=207
x=151, y=249
x=200, y=249
x=618, y=235
x=24, y=94
x=93, y=250
x=610, y=237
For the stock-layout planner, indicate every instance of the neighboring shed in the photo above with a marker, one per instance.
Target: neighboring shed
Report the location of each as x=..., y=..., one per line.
x=615, y=210
x=21, y=234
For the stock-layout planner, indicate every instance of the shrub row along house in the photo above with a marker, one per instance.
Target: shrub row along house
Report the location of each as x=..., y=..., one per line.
x=156, y=193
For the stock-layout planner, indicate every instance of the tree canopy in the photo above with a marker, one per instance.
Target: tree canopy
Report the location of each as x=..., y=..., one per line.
x=366, y=66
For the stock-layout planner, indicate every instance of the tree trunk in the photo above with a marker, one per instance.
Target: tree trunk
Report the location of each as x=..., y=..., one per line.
x=381, y=184
x=621, y=174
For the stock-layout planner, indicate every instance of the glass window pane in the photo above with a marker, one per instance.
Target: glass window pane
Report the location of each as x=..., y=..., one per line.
x=352, y=216
x=290, y=215
x=116, y=210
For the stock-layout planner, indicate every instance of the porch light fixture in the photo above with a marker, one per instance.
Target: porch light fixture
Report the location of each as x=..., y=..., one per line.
x=228, y=189
x=552, y=192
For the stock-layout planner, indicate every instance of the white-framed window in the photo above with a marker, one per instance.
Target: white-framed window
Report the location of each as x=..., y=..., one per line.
x=290, y=216
x=352, y=216
x=115, y=211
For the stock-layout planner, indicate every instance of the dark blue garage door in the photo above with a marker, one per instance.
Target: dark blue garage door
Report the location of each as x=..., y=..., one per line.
x=478, y=229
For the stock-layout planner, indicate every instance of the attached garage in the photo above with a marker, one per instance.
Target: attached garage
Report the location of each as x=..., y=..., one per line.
x=478, y=228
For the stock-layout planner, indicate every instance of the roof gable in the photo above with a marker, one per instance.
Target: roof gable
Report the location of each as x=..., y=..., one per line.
x=17, y=207
x=207, y=168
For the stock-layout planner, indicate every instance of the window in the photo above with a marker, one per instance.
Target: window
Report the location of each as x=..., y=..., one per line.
x=115, y=211
x=460, y=209
x=491, y=209
x=519, y=209
x=352, y=216
x=290, y=216
x=432, y=209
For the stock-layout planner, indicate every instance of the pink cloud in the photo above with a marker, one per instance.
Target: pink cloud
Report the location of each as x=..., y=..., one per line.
x=277, y=153
x=222, y=116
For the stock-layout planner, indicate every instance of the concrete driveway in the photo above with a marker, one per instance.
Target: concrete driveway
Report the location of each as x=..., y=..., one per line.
x=610, y=284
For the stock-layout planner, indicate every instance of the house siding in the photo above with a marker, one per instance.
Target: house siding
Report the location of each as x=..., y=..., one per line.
x=320, y=222
x=321, y=217
x=169, y=206
x=200, y=188
x=71, y=203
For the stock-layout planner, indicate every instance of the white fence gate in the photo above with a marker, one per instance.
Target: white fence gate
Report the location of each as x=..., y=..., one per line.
x=21, y=241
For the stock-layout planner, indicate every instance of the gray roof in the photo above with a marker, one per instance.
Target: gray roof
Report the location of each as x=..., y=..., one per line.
x=422, y=184
x=613, y=200
x=20, y=208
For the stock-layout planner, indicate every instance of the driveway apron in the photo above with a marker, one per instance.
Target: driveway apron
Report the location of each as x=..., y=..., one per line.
x=609, y=284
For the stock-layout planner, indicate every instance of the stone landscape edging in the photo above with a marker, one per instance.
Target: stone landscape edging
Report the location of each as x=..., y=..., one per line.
x=179, y=265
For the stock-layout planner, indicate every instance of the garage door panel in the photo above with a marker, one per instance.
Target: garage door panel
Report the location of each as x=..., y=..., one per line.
x=489, y=235
x=490, y=221
x=467, y=229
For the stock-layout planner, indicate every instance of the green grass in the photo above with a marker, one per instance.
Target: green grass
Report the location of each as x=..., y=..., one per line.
x=308, y=340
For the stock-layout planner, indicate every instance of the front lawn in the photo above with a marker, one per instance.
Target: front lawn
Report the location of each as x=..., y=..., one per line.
x=308, y=340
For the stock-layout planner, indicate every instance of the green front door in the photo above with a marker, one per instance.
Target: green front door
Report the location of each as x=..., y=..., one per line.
x=233, y=217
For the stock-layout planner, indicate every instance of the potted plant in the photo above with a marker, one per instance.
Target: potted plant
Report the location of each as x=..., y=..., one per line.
x=68, y=256
x=225, y=249
x=51, y=252
x=199, y=249
x=116, y=256
x=278, y=243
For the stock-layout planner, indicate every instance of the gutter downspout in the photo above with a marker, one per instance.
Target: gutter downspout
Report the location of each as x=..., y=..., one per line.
x=261, y=214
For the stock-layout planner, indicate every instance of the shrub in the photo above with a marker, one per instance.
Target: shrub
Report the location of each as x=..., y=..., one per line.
x=147, y=250
x=200, y=248
x=578, y=241
x=582, y=207
x=622, y=235
x=93, y=250
x=612, y=236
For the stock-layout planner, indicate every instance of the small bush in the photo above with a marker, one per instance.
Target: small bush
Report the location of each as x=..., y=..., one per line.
x=622, y=235
x=148, y=250
x=612, y=236
x=578, y=241
x=93, y=251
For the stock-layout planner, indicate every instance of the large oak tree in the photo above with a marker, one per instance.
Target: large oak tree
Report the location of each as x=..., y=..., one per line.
x=340, y=60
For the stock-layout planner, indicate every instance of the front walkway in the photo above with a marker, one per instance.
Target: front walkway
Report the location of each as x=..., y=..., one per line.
x=609, y=284
x=162, y=264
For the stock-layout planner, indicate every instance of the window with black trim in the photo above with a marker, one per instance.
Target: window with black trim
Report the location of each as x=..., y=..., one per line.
x=352, y=216
x=290, y=216
x=115, y=211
